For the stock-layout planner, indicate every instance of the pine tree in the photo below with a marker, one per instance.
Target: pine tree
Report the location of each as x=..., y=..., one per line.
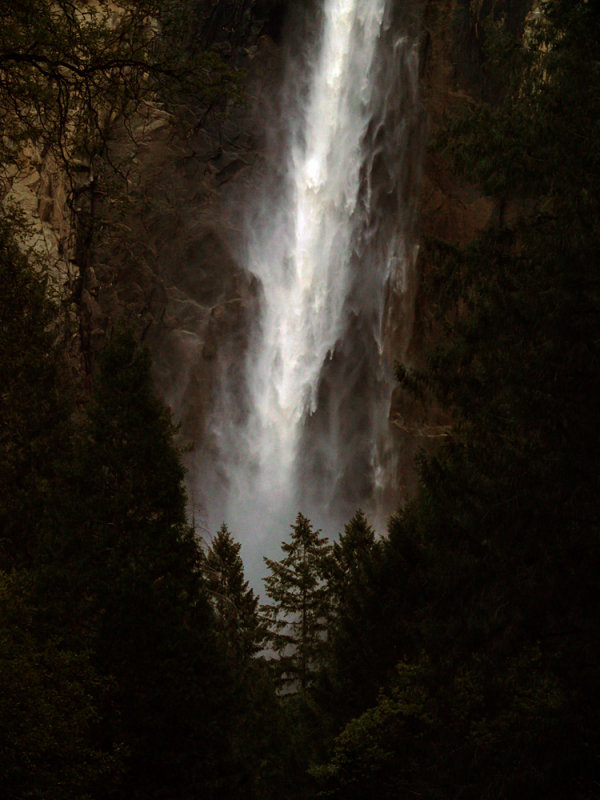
x=259, y=736
x=134, y=582
x=297, y=617
x=488, y=588
x=34, y=407
x=49, y=702
x=351, y=554
x=353, y=670
x=233, y=601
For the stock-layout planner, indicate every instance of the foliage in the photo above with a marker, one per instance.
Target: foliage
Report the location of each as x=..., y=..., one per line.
x=112, y=680
x=139, y=591
x=34, y=406
x=488, y=583
x=258, y=763
x=352, y=672
x=297, y=617
x=234, y=602
x=350, y=556
x=68, y=71
x=440, y=739
x=47, y=707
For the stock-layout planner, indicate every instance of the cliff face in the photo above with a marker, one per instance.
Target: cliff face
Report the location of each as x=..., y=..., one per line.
x=454, y=73
x=37, y=186
x=165, y=228
x=140, y=233
x=166, y=257
x=452, y=211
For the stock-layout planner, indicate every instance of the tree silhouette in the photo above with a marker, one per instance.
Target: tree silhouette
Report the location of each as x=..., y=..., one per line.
x=297, y=617
x=234, y=602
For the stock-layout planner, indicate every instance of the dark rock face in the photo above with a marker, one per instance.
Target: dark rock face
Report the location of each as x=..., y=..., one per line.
x=451, y=210
x=164, y=259
x=169, y=263
x=167, y=266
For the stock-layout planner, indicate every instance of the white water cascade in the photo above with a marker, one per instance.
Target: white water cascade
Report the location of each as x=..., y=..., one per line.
x=328, y=240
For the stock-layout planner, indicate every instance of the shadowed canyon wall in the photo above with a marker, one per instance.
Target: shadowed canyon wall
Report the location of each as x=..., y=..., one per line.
x=171, y=241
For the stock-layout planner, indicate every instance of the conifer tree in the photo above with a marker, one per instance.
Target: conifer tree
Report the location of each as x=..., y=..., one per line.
x=353, y=671
x=34, y=406
x=488, y=588
x=351, y=554
x=297, y=617
x=136, y=585
x=233, y=601
x=260, y=762
x=48, y=691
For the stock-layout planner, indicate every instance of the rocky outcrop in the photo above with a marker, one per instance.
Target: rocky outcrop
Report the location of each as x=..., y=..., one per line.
x=38, y=188
x=165, y=254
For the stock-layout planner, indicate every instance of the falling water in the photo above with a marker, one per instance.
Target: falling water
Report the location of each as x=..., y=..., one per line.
x=329, y=242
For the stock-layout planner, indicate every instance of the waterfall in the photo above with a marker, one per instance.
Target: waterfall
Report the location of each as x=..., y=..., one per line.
x=329, y=242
